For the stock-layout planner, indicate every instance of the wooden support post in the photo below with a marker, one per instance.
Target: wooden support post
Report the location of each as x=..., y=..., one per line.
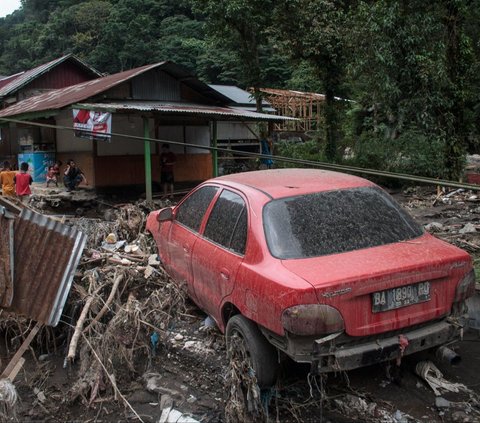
x=8, y=371
x=215, y=152
x=148, y=161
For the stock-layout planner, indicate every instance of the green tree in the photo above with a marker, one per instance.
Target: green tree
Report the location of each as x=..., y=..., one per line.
x=312, y=31
x=411, y=69
x=240, y=29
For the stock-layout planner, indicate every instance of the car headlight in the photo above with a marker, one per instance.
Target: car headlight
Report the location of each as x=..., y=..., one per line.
x=466, y=287
x=312, y=319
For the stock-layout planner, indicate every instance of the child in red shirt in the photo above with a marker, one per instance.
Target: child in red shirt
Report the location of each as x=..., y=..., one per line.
x=22, y=181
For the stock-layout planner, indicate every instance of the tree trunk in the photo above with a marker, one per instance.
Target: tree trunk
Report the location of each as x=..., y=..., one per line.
x=455, y=135
x=331, y=118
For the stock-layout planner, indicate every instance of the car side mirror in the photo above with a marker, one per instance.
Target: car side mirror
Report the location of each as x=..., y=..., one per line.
x=165, y=214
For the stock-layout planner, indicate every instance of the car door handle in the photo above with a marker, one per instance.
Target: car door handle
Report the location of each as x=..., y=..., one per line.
x=225, y=274
x=186, y=248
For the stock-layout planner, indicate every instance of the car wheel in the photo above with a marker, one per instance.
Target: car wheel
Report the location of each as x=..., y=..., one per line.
x=244, y=340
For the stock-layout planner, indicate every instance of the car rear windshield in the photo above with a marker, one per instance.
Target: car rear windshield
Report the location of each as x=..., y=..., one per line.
x=332, y=222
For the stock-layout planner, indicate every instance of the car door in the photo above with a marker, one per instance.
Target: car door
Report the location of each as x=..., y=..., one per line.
x=219, y=252
x=183, y=234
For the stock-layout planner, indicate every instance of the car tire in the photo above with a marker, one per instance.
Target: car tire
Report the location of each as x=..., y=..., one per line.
x=243, y=336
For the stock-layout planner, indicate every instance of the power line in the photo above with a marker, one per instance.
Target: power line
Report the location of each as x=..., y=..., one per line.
x=310, y=163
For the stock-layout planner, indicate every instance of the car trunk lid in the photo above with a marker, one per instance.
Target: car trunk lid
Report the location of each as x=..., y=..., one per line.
x=387, y=287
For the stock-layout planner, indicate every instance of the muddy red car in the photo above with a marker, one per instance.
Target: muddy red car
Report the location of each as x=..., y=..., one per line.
x=323, y=267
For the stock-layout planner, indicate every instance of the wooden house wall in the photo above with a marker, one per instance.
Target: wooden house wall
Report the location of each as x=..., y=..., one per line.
x=63, y=75
x=113, y=171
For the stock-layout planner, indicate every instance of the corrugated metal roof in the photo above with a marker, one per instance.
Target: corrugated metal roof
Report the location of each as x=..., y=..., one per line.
x=46, y=254
x=241, y=97
x=235, y=94
x=58, y=99
x=163, y=107
x=4, y=80
x=26, y=77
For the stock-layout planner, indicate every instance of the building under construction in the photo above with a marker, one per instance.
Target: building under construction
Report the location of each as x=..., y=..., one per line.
x=304, y=106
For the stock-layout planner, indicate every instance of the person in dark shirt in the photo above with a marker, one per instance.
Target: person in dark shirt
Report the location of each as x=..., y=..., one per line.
x=167, y=160
x=73, y=176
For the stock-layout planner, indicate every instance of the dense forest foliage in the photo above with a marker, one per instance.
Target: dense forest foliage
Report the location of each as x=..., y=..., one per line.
x=410, y=67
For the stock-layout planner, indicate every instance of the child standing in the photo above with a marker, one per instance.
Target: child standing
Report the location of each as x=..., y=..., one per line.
x=23, y=180
x=7, y=176
x=52, y=176
x=56, y=168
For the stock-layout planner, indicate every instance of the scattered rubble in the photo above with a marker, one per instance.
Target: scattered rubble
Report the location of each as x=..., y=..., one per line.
x=359, y=408
x=132, y=346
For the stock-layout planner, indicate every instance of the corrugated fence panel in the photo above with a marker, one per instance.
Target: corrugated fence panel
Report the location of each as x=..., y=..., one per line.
x=47, y=253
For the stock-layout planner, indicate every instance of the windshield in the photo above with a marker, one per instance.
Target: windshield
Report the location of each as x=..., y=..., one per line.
x=335, y=222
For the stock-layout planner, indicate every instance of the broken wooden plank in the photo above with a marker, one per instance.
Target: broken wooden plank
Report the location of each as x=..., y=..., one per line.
x=13, y=374
x=18, y=355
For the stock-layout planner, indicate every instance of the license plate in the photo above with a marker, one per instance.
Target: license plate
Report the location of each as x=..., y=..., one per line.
x=403, y=296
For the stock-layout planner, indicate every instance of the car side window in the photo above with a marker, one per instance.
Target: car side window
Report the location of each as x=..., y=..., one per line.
x=227, y=224
x=190, y=213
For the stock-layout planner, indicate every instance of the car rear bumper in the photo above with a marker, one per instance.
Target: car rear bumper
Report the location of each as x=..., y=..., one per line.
x=354, y=355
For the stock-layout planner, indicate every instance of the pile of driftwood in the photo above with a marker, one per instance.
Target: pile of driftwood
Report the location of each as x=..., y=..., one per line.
x=121, y=305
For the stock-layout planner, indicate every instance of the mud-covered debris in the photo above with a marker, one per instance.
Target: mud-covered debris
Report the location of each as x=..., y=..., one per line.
x=171, y=415
x=469, y=228
x=8, y=400
x=197, y=347
x=359, y=408
x=441, y=402
x=434, y=378
x=434, y=227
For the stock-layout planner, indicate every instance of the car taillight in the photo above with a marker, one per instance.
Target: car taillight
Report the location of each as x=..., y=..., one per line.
x=312, y=319
x=466, y=287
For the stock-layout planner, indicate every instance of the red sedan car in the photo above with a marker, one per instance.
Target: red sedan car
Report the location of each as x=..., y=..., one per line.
x=322, y=266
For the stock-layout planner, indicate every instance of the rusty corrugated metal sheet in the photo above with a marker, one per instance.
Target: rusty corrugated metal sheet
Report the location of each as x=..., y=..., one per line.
x=6, y=257
x=183, y=108
x=46, y=254
x=58, y=99
x=26, y=77
x=7, y=79
x=63, y=97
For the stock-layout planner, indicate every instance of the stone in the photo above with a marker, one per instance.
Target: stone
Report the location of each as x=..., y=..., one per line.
x=434, y=227
x=441, y=402
x=153, y=260
x=148, y=272
x=469, y=228
x=142, y=397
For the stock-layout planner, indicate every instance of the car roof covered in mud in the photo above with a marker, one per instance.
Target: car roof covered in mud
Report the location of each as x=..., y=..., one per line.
x=278, y=183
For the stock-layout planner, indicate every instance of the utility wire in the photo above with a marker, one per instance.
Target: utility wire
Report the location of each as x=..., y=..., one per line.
x=310, y=163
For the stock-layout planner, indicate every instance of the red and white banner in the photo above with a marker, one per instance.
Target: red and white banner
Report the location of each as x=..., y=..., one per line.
x=92, y=125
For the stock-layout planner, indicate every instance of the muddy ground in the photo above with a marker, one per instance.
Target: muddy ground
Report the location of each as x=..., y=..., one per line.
x=188, y=369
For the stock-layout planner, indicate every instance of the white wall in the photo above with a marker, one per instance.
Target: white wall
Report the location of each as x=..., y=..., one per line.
x=132, y=125
x=199, y=135
x=119, y=146
x=235, y=131
x=66, y=141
